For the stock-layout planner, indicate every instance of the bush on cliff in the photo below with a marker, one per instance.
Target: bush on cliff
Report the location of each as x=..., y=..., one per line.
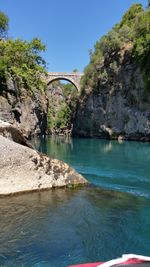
x=134, y=28
x=142, y=44
x=21, y=60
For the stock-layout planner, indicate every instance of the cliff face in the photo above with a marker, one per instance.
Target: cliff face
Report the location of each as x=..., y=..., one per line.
x=115, y=86
x=118, y=105
x=26, y=110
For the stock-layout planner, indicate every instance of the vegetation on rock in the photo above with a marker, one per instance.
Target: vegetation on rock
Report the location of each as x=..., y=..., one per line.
x=21, y=60
x=62, y=105
x=134, y=29
x=116, y=83
x=23, y=98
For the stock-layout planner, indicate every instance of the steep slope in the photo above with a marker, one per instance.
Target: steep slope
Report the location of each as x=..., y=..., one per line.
x=28, y=111
x=115, y=100
x=23, y=98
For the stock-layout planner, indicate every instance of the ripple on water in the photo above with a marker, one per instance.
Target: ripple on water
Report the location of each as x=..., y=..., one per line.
x=62, y=227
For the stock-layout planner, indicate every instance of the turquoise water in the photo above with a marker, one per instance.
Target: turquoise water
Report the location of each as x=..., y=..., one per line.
x=121, y=166
x=67, y=226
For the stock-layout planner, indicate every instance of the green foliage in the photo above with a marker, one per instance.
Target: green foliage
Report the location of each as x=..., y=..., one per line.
x=110, y=43
x=69, y=92
x=126, y=34
x=61, y=120
x=75, y=70
x=22, y=60
x=3, y=24
x=142, y=44
x=63, y=117
x=50, y=119
x=62, y=105
x=131, y=15
x=134, y=28
x=142, y=33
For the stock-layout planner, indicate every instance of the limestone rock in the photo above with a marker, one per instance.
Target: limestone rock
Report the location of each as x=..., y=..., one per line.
x=28, y=110
x=13, y=133
x=24, y=169
x=118, y=107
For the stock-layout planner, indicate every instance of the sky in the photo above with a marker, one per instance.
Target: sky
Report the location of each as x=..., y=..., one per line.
x=69, y=28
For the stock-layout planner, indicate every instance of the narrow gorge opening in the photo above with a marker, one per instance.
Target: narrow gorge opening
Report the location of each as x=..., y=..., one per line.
x=62, y=100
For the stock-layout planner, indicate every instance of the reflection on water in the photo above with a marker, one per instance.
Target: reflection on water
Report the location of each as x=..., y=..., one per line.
x=62, y=227
x=53, y=145
x=110, y=164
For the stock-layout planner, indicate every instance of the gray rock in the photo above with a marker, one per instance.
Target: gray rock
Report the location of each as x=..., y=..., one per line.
x=5, y=110
x=24, y=169
x=121, y=107
x=28, y=110
x=13, y=133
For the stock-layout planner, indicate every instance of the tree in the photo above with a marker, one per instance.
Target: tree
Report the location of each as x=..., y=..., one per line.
x=130, y=16
x=142, y=44
x=63, y=117
x=22, y=60
x=4, y=20
x=133, y=30
x=75, y=70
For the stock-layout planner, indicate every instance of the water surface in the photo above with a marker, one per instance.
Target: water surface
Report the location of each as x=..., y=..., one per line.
x=67, y=226
x=121, y=166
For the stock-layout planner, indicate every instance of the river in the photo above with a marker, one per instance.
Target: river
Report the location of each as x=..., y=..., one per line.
x=61, y=227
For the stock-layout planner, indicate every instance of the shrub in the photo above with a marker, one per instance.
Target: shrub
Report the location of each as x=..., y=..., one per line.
x=134, y=28
x=22, y=60
x=63, y=117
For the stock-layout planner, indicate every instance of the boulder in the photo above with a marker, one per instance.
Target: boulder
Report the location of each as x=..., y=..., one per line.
x=24, y=169
x=13, y=133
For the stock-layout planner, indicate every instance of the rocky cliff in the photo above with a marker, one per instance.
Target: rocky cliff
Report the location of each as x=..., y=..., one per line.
x=118, y=106
x=115, y=101
x=23, y=99
x=23, y=108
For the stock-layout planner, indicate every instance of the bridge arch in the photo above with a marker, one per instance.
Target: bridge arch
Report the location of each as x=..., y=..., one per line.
x=73, y=77
x=64, y=79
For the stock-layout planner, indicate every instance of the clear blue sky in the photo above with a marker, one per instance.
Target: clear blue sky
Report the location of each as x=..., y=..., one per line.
x=69, y=28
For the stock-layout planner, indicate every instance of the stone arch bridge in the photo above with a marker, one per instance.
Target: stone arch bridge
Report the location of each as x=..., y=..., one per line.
x=72, y=77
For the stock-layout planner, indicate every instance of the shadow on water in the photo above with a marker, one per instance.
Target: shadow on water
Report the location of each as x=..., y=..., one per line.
x=62, y=227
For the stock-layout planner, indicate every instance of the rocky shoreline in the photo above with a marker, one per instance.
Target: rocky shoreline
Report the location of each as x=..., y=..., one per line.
x=23, y=169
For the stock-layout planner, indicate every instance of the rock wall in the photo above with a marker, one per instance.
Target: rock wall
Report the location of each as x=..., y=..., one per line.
x=118, y=107
x=23, y=108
